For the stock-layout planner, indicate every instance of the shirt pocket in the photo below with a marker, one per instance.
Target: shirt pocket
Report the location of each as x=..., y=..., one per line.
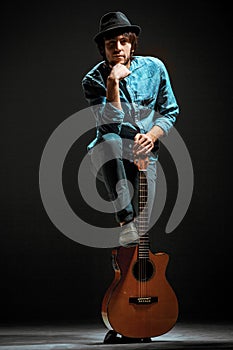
x=146, y=92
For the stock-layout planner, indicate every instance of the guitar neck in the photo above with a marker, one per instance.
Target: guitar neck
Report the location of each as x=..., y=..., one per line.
x=142, y=221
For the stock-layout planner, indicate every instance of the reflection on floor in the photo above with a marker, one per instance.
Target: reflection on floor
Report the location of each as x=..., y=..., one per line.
x=183, y=336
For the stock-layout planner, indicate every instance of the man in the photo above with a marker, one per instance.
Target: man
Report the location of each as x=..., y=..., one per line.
x=134, y=106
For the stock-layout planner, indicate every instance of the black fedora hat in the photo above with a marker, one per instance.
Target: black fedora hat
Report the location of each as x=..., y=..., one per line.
x=115, y=20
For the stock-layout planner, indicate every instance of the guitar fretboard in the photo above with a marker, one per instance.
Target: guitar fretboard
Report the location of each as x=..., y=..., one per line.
x=142, y=221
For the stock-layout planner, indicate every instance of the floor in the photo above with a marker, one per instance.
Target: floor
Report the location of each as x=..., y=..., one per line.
x=183, y=336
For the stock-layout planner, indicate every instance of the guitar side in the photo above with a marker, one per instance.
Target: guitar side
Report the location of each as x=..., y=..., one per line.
x=139, y=309
x=123, y=256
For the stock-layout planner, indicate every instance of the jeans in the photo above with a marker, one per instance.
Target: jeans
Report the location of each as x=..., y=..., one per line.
x=113, y=161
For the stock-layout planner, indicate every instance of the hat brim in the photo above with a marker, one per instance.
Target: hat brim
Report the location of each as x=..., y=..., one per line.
x=131, y=28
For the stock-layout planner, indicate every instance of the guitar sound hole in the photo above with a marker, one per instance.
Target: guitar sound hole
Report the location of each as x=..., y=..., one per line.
x=143, y=270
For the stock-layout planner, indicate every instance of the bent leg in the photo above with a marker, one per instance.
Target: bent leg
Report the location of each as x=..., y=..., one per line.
x=107, y=158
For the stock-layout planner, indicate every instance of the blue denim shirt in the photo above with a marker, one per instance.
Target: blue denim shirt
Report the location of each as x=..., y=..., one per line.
x=146, y=95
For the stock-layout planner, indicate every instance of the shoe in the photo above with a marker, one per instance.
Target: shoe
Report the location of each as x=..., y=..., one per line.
x=129, y=236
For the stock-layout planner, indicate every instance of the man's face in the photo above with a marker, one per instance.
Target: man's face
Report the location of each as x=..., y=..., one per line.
x=118, y=50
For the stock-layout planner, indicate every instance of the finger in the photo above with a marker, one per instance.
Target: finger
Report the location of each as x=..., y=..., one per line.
x=140, y=149
x=136, y=148
x=137, y=137
x=144, y=150
x=144, y=143
x=140, y=140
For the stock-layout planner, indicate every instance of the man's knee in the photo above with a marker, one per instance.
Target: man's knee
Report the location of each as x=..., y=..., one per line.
x=112, y=141
x=111, y=137
x=109, y=148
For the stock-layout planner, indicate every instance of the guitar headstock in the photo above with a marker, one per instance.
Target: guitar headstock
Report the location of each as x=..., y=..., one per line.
x=141, y=161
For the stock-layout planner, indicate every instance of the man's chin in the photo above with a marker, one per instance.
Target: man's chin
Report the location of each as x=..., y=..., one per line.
x=118, y=60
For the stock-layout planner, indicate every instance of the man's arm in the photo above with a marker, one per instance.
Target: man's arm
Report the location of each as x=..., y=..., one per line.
x=105, y=102
x=118, y=72
x=168, y=111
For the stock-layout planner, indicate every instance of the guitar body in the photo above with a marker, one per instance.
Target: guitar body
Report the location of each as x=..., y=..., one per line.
x=139, y=304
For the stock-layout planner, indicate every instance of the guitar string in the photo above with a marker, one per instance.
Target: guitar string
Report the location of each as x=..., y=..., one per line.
x=141, y=232
x=143, y=248
x=139, y=229
x=145, y=232
x=140, y=239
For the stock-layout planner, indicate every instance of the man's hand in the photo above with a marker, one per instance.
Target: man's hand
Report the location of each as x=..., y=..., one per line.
x=118, y=72
x=143, y=144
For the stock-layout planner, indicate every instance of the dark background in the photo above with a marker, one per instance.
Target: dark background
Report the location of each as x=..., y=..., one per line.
x=46, y=48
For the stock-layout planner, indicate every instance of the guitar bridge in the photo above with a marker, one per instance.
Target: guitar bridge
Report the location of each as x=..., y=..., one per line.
x=143, y=300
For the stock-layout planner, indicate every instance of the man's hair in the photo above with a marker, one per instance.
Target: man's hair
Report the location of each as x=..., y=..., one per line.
x=133, y=39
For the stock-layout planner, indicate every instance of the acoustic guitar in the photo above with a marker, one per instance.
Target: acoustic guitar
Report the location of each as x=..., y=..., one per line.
x=140, y=302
